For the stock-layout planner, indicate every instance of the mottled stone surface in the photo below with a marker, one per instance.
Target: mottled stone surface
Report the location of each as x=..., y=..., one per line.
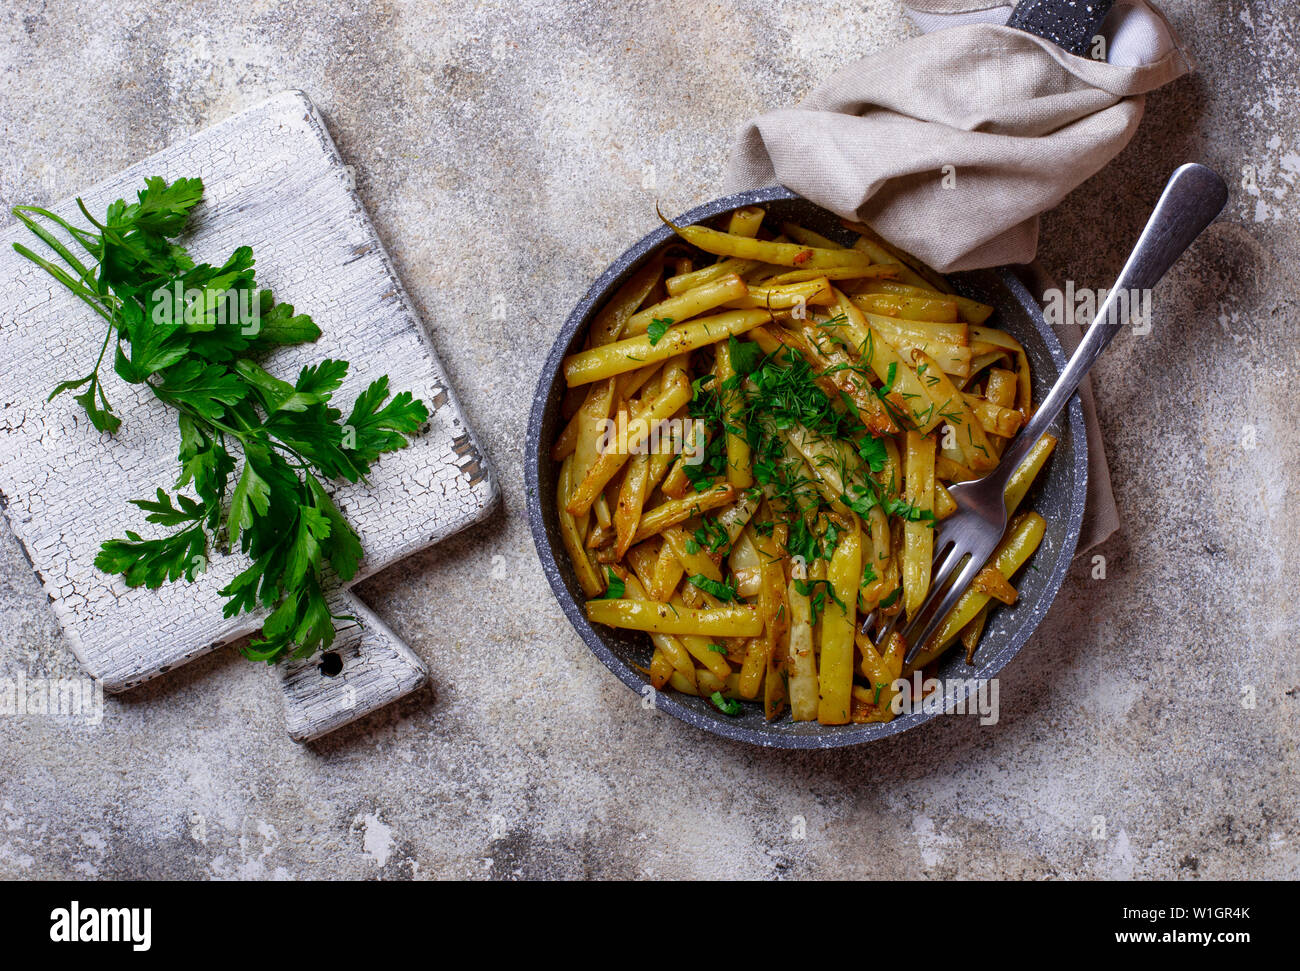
x=507, y=151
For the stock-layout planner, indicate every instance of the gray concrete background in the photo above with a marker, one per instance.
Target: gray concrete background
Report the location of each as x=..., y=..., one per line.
x=515, y=148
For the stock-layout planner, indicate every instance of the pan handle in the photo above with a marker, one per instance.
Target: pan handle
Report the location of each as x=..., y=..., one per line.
x=1069, y=24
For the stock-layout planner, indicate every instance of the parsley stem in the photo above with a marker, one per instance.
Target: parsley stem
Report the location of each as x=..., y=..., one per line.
x=51, y=240
x=89, y=297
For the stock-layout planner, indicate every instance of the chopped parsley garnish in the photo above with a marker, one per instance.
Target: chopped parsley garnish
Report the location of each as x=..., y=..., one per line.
x=658, y=327
x=723, y=591
x=728, y=706
x=745, y=356
x=616, y=587
x=711, y=536
x=817, y=600
x=872, y=451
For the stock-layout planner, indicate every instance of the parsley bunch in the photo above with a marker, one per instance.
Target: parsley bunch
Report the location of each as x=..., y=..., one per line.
x=192, y=334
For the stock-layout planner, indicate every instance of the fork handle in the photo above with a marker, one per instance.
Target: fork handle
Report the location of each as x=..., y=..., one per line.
x=1192, y=198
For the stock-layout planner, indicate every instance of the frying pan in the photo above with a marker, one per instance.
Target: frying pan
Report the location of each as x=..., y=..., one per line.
x=1058, y=494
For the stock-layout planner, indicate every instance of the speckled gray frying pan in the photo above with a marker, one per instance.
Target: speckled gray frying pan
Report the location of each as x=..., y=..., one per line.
x=1058, y=495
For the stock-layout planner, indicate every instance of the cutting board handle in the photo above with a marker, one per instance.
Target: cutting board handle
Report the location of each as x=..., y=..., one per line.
x=367, y=667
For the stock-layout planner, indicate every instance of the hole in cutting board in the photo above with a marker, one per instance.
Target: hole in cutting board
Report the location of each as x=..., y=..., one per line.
x=330, y=664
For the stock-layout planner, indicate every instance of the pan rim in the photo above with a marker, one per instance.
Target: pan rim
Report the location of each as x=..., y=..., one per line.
x=829, y=736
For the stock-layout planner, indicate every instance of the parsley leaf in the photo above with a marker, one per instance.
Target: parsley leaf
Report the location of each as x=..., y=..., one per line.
x=728, y=706
x=745, y=356
x=872, y=451
x=817, y=598
x=711, y=536
x=616, y=587
x=378, y=430
x=723, y=591
x=658, y=327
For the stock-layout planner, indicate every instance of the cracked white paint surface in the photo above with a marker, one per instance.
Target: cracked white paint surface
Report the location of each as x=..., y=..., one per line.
x=273, y=180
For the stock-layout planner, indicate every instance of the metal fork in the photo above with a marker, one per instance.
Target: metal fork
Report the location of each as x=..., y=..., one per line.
x=1191, y=200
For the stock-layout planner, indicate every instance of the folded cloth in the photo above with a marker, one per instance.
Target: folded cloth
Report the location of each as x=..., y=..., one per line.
x=976, y=128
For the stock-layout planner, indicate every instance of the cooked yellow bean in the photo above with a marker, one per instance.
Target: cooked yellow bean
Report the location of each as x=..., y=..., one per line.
x=746, y=221
x=660, y=618
x=779, y=254
x=690, y=304
x=695, y=562
x=596, y=363
x=908, y=308
x=583, y=568
x=972, y=311
x=789, y=295
x=688, y=281
x=873, y=272
x=839, y=624
x=609, y=323
x=803, y=663
x=738, y=469
x=674, y=511
x=1001, y=387
x=994, y=419
x=918, y=536
x=1024, y=476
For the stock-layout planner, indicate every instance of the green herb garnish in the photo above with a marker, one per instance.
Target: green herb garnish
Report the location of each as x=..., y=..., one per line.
x=817, y=600
x=723, y=591
x=615, y=588
x=193, y=334
x=728, y=706
x=658, y=327
x=711, y=536
x=872, y=451
x=745, y=356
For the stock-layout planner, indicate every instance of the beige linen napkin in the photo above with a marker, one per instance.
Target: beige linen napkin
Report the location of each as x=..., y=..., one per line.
x=976, y=128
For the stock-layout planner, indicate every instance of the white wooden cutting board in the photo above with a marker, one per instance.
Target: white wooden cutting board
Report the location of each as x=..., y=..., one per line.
x=273, y=180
